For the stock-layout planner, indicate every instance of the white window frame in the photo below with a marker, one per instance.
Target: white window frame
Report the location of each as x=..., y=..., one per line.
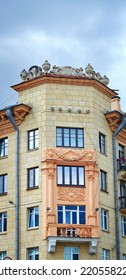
x=33, y=213
x=3, y=255
x=33, y=139
x=104, y=219
x=103, y=180
x=71, y=211
x=33, y=177
x=123, y=225
x=3, y=183
x=4, y=147
x=32, y=253
x=3, y=221
x=102, y=143
x=105, y=254
x=69, y=252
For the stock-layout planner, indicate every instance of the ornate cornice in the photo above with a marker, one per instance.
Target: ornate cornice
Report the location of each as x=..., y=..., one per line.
x=18, y=112
x=64, y=75
x=114, y=119
x=62, y=154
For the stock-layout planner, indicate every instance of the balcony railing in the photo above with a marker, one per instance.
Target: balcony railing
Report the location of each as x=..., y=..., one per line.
x=121, y=164
x=122, y=202
x=74, y=231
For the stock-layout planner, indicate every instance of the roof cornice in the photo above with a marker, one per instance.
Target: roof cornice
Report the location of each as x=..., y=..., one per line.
x=64, y=80
x=19, y=112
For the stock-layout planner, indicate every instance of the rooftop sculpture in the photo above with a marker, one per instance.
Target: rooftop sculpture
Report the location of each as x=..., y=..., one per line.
x=37, y=71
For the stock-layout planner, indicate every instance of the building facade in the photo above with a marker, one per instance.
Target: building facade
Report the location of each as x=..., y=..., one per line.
x=61, y=195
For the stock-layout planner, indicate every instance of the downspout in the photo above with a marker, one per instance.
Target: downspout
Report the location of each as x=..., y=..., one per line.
x=121, y=126
x=11, y=119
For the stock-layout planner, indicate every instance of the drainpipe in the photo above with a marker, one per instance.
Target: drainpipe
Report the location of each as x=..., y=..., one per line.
x=121, y=126
x=11, y=119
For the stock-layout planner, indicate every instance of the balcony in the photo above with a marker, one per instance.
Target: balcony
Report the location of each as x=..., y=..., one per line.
x=72, y=233
x=123, y=204
x=121, y=164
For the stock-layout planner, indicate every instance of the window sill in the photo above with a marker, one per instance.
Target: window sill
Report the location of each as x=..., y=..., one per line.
x=105, y=230
x=2, y=194
x=124, y=236
x=104, y=191
x=32, y=228
x=33, y=188
x=3, y=157
x=3, y=232
x=32, y=150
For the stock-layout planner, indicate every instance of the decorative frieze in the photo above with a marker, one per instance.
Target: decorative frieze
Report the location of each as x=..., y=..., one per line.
x=71, y=194
x=62, y=154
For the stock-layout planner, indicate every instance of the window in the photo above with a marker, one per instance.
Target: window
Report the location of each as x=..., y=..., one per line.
x=3, y=147
x=70, y=175
x=102, y=143
x=3, y=184
x=103, y=183
x=124, y=256
x=33, y=139
x=123, y=222
x=104, y=219
x=121, y=149
x=33, y=177
x=33, y=217
x=33, y=254
x=122, y=194
x=105, y=254
x=3, y=255
x=71, y=214
x=70, y=137
x=71, y=253
x=3, y=222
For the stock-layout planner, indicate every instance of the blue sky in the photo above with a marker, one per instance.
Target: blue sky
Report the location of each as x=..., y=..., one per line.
x=66, y=33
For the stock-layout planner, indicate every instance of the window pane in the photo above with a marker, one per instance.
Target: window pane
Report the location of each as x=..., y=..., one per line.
x=67, y=253
x=36, y=217
x=66, y=175
x=5, y=222
x=68, y=218
x=60, y=217
x=80, y=138
x=66, y=137
x=5, y=183
x=36, y=176
x=1, y=184
x=74, y=217
x=82, y=218
x=73, y=137
x=74, y=175
x=81, y=176
x=60, y=175
x=31, y=178
x=59, y=137
x=30, y=140
x=36, y=138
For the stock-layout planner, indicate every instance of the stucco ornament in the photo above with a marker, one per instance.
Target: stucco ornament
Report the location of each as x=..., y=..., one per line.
x=71, y=194
x=37, y=71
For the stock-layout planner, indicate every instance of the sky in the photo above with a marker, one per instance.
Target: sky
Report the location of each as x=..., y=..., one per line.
x=66, y=33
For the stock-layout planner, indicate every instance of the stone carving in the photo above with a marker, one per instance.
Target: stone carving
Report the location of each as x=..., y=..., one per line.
x=69, y=155
x=71, y=194
x=37, y=71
